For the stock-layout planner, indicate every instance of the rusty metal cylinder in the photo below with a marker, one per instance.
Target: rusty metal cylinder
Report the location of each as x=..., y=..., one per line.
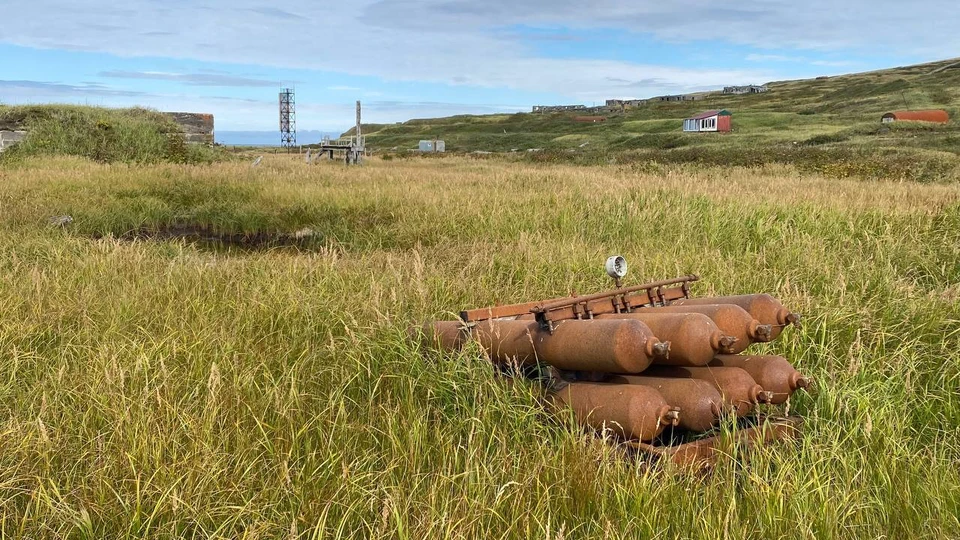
x=699, y=401
x=762, y=307
x=632, y=411
x=774, y=373
x=732, y=320
x=446, y=335
x=735, y=385
x=694, y=338
x=575, y=345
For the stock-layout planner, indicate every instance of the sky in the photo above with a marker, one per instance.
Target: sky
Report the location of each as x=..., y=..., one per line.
x=426, y=58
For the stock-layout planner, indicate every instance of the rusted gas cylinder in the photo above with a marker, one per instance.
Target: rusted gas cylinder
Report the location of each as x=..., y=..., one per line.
x=731, y=319
x=446, y=335
x=773, y=373
x=634, y=412
x=735, y=385
x=700, y=403
x=762, y=307
x=575, y=345
x=694, y=338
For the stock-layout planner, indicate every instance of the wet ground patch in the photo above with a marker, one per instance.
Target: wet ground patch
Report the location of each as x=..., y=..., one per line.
x=209, y=237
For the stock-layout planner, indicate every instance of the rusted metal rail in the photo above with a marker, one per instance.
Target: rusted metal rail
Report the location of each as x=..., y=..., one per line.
x=622, y=300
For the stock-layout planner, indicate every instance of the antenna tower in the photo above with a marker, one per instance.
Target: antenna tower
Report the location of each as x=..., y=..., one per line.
x=288, y=119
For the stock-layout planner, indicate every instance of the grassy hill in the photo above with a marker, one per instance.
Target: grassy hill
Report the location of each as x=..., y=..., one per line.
x=105, y=135
x=810, y=122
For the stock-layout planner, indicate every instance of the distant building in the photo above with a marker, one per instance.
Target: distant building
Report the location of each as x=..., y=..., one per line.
x=749, y=89
x=557, y=108
x=708, y=122
x=625, y=103
x=195, y=127
x=435, y=145
x=938, y=116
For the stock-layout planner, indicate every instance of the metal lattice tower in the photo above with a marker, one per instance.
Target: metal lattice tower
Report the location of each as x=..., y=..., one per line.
x=288, y=119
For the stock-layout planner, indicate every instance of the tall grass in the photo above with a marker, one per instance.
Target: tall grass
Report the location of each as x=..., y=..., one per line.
x=158, y=389
x=101, y=134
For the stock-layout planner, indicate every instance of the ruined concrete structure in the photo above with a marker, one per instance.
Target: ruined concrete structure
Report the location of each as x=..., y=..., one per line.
x=195, y=127
x=679, y=97
x=557, y=108
x=749, y=89
x=623, y=104
x=8, y=138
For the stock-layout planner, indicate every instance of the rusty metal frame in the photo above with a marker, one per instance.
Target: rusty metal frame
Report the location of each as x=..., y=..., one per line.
x=623, y=300
x=705, y=453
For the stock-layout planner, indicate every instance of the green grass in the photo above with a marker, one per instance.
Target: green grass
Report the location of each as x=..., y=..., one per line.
x=843, y=111
x=167, y=389
x=101, y=134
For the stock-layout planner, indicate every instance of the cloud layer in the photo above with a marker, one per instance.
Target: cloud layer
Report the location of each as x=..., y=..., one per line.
x=501, y=44
x=191, y=79
x=472, y=43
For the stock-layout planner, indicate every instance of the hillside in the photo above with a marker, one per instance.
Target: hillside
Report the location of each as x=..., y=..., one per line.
x=838, y=114
x=102, y=134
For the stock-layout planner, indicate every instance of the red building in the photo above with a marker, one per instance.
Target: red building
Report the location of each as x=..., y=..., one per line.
x=710, y=121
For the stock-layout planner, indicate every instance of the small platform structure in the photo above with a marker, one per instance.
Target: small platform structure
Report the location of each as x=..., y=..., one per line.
x=351, y=149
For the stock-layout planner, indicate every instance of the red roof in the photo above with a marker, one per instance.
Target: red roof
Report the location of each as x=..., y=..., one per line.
x=936, y=115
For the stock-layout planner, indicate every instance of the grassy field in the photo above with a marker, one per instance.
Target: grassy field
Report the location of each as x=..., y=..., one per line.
x=162, y=388
x=802, y=123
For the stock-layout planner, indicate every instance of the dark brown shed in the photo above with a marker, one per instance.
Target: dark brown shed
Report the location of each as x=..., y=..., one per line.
x=590, y=119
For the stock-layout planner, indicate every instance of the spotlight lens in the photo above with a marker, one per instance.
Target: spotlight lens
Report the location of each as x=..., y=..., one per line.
x=616, y=267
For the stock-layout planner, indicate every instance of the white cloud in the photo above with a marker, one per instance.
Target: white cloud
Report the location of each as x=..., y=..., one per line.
x=449, y=42
x=772, y=58
x=482, y=44
x=191, y=79
x=798, y=60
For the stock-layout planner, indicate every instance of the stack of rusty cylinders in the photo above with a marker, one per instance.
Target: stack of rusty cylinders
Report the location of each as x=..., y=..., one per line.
x=639, y=360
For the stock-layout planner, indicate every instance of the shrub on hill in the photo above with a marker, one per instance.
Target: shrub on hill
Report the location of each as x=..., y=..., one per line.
x=104, y=135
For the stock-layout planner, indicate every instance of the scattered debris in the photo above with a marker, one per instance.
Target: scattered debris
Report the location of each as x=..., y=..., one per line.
x=60, y=221
x=648, y=363
x=208, y=236
x=306, y=232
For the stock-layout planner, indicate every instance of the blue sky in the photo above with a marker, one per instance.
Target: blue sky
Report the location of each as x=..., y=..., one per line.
x=423, y=58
